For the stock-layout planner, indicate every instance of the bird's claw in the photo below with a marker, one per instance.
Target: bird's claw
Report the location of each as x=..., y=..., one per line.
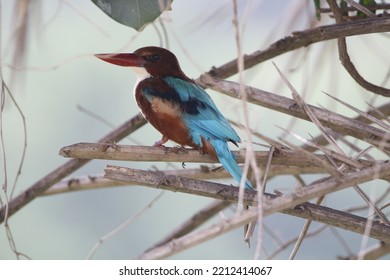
x=160, y=143
x=179, y=150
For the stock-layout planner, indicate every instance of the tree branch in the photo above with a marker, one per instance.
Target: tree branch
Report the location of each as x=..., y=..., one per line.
x=223, y=192
x=281, y=157
x=378, y=6
x=314, y=212
x=89, y=182
x=92, y=182
x=194, y=222
x=380, y=112
x=57, y=174
x=346, y=60
x=339, y=123
x=303, y=39
x=271, y=204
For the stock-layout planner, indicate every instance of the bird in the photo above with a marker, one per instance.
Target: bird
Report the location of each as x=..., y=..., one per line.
x=177, y=107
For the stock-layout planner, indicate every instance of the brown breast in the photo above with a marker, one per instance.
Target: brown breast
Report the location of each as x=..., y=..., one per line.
x=166, y=118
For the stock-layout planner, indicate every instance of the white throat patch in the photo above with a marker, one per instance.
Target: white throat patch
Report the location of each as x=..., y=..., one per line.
x=142, y=74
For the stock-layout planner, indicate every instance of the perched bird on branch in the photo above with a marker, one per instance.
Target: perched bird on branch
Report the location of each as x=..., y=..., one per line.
x=177, y=107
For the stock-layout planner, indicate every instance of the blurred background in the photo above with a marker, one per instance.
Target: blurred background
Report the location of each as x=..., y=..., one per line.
x=57, y=78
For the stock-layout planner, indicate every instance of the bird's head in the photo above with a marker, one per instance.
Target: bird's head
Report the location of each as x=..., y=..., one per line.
x=158, y=62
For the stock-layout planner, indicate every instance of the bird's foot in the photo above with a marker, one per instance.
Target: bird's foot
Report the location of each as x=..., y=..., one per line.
x=160, y=143
x=201, y=151
x=179, y=150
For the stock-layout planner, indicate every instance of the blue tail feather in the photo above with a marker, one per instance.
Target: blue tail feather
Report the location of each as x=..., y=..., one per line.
x=228, y=160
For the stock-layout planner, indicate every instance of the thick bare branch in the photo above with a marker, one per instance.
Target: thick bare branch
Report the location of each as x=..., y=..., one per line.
x=272, y=204
x=59, y=173
x=336, y=122
x=281, y=157
x=179, y=184
x=303, y=39
x=89, y=182
x=223, y=192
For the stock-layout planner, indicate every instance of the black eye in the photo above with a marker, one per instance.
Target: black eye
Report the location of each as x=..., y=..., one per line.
x=154, y=57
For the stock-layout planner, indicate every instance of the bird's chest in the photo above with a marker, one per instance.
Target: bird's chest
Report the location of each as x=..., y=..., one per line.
x=153, y=107
x=165, y=116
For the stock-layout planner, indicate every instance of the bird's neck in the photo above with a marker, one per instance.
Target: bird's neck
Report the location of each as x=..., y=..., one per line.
x=142, y=74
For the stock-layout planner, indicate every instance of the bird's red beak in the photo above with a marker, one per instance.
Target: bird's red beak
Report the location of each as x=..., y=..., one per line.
x=122, y=59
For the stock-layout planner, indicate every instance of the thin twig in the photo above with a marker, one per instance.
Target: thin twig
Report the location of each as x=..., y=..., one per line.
x=303, y=233
x=194, y=222
x=260, y=194
x=375, y=252
x=299, y=100
x=122, y=226
x=376, y=7
x=9, y=194
x=286, y=244
x=361, y=8
x=346, y=60
x=380, y=112
x=250, y=153
x=362, y=114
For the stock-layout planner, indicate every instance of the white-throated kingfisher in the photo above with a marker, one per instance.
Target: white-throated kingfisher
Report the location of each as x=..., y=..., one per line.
x=177, y=107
